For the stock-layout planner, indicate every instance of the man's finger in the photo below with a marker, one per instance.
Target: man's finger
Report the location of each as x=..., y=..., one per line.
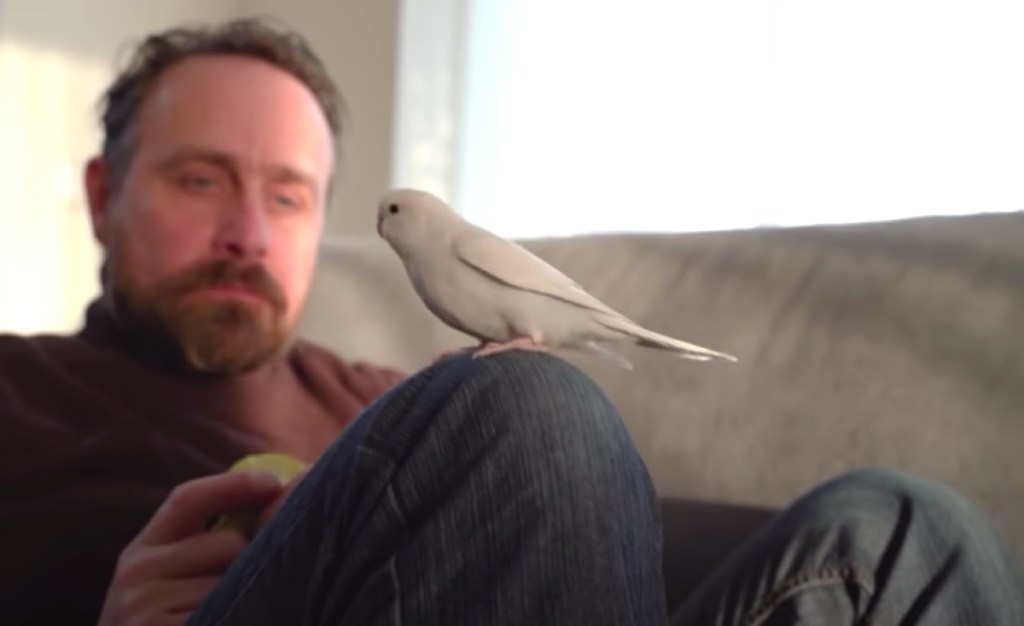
x=275, y=505
x=192, y=503
x=204, y=554
x=170, y=601
x=184, y=596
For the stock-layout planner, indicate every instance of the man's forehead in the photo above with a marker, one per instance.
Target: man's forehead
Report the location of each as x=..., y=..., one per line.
x=210, y=71
x=243, y=107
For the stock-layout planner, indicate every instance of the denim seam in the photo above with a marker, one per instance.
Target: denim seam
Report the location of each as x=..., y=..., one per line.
x=801, y=582
x=392, y=499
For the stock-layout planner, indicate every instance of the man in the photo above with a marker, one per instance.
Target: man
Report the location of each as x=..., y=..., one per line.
x=502, y=490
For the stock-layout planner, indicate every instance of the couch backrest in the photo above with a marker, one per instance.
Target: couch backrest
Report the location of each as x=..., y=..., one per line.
x=898, y=344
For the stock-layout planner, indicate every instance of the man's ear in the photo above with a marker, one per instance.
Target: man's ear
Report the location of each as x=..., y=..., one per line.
x=99, y=194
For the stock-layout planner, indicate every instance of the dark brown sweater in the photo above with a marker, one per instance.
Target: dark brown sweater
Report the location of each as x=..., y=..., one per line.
x=95, y=431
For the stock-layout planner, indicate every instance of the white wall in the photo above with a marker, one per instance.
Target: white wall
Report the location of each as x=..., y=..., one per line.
x=56, y=56
x=357, y=40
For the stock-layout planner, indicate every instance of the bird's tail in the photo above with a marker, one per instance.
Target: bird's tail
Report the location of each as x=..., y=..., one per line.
x=608, y=355
x=651, y=339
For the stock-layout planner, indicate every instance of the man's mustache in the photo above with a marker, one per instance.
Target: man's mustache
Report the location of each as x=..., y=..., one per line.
x=251, y=277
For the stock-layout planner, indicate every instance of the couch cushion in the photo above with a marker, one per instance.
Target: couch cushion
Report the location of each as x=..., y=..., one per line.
x=897, y=344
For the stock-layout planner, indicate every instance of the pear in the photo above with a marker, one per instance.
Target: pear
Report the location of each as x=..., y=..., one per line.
x=285, y=467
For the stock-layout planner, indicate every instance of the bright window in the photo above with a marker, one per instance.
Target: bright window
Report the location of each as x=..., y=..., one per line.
x=554, y=117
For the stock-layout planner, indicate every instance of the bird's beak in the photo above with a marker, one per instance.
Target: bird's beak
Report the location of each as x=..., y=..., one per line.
x=380, y=226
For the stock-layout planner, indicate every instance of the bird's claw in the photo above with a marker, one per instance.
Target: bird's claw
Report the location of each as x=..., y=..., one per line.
x=519, y=343
x=489, y=348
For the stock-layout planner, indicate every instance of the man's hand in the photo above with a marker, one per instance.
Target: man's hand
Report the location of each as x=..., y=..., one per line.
x=270, y=510
x=173, y=563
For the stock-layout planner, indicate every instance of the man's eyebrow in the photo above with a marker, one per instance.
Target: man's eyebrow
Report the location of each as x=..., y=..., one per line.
x=192, y=153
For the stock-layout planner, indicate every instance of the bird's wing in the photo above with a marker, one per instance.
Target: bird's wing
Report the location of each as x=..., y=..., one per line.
x=515, y=266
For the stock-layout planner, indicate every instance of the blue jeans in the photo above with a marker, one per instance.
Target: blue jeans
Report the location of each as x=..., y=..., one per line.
x=869, y=547
x=506, y=490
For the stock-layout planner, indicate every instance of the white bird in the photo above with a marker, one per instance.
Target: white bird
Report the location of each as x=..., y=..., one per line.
x=500, y=293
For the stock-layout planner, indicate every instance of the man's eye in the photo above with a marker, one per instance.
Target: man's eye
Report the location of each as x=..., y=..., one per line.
x=199, y=183
x=286, y=201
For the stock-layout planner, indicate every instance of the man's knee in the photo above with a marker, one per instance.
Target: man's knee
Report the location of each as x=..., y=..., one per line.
x=538, y=389
x=546, y=409
x=890, y=502
x=884, y=488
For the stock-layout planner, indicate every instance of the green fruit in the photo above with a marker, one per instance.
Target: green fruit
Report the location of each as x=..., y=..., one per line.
x=283, y=466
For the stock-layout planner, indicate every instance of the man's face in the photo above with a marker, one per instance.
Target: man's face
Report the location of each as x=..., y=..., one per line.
x=211, y=239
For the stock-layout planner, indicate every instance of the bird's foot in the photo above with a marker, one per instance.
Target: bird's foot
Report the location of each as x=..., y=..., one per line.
x=528, y=344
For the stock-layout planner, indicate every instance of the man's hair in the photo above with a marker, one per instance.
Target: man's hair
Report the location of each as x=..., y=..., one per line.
x=250, y=37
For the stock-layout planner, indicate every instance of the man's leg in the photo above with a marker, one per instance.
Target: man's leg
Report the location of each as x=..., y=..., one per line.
x=871, y=547
x=501, y=490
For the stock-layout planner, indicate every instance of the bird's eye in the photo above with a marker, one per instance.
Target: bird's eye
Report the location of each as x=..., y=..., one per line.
x=393, y=209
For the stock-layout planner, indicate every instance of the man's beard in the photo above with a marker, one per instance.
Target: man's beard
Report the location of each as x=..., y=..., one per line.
x=207, y=334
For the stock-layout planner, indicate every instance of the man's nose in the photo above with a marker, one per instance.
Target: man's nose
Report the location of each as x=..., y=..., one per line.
x=244, y=232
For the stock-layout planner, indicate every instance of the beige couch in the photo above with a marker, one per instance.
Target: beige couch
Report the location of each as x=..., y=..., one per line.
x=895, y=344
